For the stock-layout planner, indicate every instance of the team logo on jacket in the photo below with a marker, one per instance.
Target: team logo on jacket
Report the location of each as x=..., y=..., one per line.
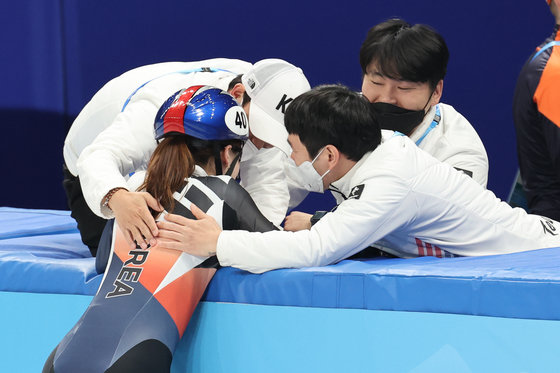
x=549, y=227
x=466, y=172
x=356, y=192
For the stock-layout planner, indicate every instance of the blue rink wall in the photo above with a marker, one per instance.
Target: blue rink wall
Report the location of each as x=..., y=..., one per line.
x=58, y=53
x=225, y=337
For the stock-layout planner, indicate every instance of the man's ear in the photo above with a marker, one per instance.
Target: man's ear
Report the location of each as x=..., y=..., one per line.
x=438, y=92
x=333, y=155
x=226, y=157
x=237, y=92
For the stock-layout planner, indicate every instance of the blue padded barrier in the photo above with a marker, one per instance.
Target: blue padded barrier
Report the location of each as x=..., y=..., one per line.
x=16, y=222
x=523, y=285
x=520, y=285
x=41, y=252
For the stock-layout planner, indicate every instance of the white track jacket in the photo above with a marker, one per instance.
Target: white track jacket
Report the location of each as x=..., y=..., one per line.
x=407, y=202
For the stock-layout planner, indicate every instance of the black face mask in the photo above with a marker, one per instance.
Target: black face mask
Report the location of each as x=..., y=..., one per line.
x=392, y=117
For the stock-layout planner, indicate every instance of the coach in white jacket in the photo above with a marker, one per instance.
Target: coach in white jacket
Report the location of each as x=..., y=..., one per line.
x=393, y=193
x=113, y=137
x=403, y=68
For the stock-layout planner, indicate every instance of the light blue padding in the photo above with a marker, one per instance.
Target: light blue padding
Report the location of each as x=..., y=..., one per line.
x=31, y=325
x=245, y=338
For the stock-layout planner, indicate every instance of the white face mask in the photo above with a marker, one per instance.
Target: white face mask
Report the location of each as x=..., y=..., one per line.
x=269, y=161
x=306, y=175
x=249, y=150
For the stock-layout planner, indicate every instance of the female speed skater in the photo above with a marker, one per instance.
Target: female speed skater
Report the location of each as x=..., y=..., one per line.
x=147, y=296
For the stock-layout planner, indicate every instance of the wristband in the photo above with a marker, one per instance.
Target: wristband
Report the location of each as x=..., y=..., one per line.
x=109, y=195
x=317, y=216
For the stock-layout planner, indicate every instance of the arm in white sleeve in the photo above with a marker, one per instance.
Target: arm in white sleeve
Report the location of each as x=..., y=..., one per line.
x=356, y=224
x=472, y=160
x=127, y=143
x=123, y=147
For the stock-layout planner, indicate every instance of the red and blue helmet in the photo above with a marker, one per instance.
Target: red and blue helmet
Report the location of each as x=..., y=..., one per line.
x=203, y=112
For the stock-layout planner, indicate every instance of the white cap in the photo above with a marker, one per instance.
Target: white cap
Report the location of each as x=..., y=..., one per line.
x=272, y=84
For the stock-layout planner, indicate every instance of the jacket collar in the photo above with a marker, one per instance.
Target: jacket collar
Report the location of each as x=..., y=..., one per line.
x=343, y=186
x=426, y=122
x=199, y=171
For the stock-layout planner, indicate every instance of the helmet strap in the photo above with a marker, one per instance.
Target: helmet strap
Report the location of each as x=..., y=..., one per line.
x=217, y=159
x=233, y=164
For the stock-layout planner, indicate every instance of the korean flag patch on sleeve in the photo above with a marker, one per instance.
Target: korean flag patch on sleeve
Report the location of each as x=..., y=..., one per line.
x=356, y=192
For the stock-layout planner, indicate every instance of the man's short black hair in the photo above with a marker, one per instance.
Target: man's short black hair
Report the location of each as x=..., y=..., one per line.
x=405, y=52
x=335, y=115
x=234, y=81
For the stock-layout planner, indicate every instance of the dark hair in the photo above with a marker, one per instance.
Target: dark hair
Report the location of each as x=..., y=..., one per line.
x=246, y=99
x=173, y=161
x=333, y=114
x=404, y=52
x=237, y=80
x=234, y=81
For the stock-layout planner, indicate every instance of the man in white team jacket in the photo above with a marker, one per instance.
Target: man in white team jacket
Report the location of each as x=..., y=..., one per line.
x=403, y=69
x=392, y=193
x=113, y=137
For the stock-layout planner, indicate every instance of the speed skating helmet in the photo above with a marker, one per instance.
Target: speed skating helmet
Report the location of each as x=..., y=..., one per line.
x=203, y=112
